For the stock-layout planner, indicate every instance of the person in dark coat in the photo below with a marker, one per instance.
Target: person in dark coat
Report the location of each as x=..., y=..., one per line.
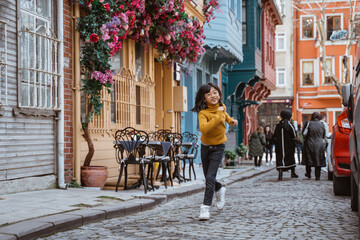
x=285, y=139
x=268, y=144
x=256, y=146
x=314, y=148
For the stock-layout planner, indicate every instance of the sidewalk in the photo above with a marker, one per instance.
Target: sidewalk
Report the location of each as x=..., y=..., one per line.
x=29, y=215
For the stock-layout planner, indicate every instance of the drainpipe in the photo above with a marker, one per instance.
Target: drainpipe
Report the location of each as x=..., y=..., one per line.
x=77, y=96
x=60, y=125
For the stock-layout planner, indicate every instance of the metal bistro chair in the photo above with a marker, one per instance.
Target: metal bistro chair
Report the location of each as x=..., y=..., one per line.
x=130, y=145
x=160, y=145
x=175, y=148
x=189, y=149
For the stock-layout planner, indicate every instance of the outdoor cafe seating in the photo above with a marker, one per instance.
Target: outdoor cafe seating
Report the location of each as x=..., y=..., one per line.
x=163, y=148
x=130, y=146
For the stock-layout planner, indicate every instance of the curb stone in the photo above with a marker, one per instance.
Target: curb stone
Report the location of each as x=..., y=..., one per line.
x=49, y=225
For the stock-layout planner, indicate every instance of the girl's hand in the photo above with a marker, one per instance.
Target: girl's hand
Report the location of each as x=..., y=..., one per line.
x=234, y=122
x=221, y=108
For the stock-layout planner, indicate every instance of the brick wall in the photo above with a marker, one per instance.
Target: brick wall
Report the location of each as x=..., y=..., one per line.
x=68, y=105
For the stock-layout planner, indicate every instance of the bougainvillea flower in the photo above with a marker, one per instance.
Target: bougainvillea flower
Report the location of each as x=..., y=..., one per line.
x=94, y=37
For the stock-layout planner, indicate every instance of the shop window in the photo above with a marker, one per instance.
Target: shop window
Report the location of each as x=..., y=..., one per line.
x=307, y=24
x=39, y=71
x=308, y=73
x=333, y=23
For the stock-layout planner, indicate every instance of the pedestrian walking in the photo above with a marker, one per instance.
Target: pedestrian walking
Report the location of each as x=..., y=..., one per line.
x=284, y=139
x=256, y=146
x=326, y=142
x=314, y=147
x=212, y=117
x=268, y=145
x=299, y=142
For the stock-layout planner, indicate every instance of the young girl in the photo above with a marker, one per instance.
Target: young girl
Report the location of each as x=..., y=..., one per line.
x=212, y=117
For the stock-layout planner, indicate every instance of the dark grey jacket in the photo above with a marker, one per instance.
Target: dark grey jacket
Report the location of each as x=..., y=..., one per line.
x=314, y=148
x=257, y=144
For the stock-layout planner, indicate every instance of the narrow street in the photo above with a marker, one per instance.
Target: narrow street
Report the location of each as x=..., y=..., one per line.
x=257, y=208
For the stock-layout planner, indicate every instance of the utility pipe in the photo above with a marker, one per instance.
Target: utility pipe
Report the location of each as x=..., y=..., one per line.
x=77, y=95
x=60, y=125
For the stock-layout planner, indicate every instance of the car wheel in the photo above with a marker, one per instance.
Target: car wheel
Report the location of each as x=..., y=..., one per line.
x=354, y=194
x=330, y=175
x=341, y=186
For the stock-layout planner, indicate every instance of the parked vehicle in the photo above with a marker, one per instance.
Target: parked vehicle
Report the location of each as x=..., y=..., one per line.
x=340, y=154
x=351, y=99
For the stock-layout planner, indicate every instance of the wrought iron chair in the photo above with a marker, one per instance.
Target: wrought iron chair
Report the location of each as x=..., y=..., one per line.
x=160, y=145
x=189, y=149
x=175, y=149
x=130, y=145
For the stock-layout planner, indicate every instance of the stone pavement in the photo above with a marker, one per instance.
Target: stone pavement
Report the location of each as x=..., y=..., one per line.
x=258, y=208
x=29, y=215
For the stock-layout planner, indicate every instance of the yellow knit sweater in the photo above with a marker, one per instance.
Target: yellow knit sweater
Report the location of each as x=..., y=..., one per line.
x=212, y=125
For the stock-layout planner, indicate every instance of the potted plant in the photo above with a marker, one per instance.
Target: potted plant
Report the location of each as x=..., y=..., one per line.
x=230, y=157
x=241, y=151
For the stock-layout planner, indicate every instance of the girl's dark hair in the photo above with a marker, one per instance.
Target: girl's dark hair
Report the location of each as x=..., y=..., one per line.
x=200, y=103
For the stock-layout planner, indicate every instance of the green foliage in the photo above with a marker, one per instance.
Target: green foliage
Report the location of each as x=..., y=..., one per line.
x=230, y=154
x=241, y=150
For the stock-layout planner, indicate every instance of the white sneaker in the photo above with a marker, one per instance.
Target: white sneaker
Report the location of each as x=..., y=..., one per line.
x=220, y=198
x=204, y=212
x=267, y=164
x=271, y=163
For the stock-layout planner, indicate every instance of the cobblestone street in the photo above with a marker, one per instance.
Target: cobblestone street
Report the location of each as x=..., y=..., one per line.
x=257, y=208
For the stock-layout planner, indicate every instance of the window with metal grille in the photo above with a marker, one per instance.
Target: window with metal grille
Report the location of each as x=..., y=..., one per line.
x=39, y=73
x=3, y=62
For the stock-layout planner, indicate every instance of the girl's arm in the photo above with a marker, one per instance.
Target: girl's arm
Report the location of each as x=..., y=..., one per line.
x=205, y=125
x=230, y=120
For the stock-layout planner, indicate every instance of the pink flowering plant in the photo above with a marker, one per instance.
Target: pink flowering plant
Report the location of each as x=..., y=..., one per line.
x=210, y=6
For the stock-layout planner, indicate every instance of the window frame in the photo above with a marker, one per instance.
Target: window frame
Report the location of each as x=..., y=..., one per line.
x=301, y=27
x=333, y=15
x=315, y=83
x=43, y=86
x=332, y=58
x=350, y=68
x=277, y=37
x=278, y=71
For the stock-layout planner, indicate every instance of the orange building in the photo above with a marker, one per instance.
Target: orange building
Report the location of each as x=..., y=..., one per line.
x=313, y=91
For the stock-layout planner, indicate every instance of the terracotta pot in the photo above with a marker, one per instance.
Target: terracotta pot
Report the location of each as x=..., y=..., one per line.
x=94, y=176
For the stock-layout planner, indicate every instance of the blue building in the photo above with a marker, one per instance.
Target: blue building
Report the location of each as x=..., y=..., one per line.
x=223, y=46
x=247, y=83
